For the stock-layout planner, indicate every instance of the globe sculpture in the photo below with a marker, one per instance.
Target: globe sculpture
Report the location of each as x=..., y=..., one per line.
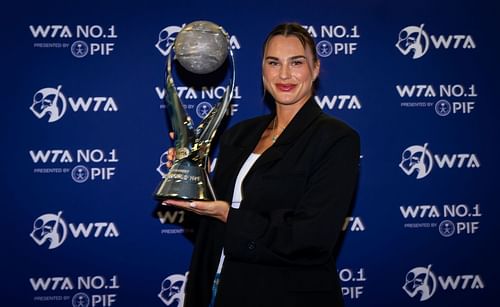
x=201, y=47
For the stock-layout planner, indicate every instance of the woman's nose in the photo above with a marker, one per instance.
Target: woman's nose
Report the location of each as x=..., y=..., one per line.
x=284, y=72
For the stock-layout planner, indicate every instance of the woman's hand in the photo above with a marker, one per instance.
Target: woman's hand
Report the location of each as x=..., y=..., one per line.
x=170, y=157
x=217, y=209
x=170, y=152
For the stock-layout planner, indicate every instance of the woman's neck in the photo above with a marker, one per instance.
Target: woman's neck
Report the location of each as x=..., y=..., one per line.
x=285, y=113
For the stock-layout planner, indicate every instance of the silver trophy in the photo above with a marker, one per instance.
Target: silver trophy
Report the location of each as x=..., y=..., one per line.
x=201, y=47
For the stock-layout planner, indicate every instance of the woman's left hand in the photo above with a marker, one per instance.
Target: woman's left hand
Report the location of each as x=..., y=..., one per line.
x=217, y=209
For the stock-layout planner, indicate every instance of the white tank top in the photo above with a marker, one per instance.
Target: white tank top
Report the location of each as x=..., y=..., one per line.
x=237, y=196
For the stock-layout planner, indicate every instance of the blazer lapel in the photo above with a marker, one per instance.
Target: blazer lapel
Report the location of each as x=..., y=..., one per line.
x=238, y=151
x=306, y=115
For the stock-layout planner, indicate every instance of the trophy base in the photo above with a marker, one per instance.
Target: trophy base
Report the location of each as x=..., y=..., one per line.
x=185, y=180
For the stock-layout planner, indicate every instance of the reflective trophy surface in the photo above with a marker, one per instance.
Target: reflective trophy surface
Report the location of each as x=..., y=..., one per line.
x=201, y=47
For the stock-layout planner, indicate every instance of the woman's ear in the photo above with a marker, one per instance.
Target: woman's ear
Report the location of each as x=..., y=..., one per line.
x=316, y=69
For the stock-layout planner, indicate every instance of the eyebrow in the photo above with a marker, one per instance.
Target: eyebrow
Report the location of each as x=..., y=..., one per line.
x=295, y=57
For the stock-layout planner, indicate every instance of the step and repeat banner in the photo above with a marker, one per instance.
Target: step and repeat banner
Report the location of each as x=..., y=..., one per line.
x=84, y=134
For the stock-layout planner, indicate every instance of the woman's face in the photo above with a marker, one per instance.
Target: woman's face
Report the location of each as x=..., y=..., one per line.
x=288, y=70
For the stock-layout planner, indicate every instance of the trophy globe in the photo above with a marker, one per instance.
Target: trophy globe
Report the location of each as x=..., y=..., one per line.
x=201, y=47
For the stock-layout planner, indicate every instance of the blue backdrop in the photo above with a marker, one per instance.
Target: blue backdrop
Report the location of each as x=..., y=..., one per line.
x=84, y=131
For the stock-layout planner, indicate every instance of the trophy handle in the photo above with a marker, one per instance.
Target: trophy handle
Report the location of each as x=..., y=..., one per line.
x=181, y=123
x=211, y=122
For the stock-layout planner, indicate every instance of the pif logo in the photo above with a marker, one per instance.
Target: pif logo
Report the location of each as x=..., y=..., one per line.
x=58, y=287
x=444, y=99
x=90, y=39
x=202, y=108
x=335, y=39
x=448, y=219
x=98, y=164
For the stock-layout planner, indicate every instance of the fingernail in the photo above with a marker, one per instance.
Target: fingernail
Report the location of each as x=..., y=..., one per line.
x=192, y=204
x=165, y=203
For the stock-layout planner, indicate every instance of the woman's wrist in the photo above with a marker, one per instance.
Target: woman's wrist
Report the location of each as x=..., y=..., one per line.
x=225, y=212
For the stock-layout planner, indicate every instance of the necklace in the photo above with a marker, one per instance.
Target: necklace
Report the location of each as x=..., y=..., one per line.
x=275, y=135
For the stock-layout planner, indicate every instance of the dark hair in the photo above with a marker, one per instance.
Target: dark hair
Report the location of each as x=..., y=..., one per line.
x=293, y=29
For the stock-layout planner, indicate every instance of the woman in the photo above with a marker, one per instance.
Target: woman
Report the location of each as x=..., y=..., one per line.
x=284, y=182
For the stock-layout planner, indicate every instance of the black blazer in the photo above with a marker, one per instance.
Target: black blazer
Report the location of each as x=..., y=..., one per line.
x=279, y=244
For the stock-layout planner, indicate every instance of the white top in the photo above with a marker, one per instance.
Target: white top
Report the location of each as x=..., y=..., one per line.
x=237, y=196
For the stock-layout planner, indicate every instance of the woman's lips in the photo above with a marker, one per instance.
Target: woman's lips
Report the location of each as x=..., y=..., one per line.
x=285, y=87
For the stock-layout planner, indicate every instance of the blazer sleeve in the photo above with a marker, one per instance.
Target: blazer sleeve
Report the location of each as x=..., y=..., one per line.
x=307, y=233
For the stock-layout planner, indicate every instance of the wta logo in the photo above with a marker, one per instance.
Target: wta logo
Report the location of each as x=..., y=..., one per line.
x=416, y=159
x=419, y=160
x=52, y=230
x=52, y=104
x=49, y=228
x=422, y=283
x=172, y=290
x=414, y=41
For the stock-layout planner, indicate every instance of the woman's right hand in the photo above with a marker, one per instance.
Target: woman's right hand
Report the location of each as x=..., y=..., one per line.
x=170, y=157
x=170, y=153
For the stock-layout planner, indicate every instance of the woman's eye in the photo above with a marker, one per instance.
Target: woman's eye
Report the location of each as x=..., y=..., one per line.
x=297, y=62
x=272, y=63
